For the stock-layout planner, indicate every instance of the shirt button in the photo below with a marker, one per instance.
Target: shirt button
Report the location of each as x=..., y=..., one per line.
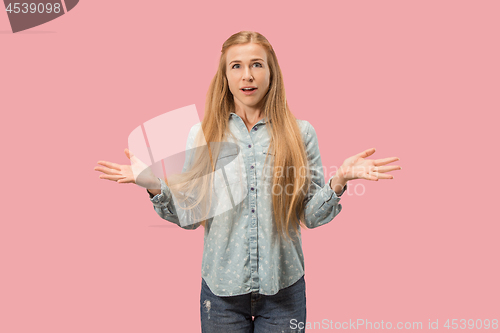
x=249, y=146
x=251, y=188
x=253, y=210
x=255, y=128
x=251, y=167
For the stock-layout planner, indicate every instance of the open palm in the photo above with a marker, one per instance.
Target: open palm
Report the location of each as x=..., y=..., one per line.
x=359, y=167
x=137, y=173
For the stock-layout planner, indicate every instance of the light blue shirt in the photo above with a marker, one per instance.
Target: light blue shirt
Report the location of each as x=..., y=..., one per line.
x=241, y=255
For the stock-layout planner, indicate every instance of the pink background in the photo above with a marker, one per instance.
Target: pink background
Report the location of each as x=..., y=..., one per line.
x=414, y=79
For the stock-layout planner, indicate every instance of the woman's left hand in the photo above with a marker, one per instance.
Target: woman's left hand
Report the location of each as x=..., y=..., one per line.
x=359, y=167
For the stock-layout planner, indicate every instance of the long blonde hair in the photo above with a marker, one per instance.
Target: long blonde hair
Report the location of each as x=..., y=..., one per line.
x=286, y=139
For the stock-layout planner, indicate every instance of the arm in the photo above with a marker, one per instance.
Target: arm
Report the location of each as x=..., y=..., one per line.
x=153, y=192
x=338, y=184
x=321, y=204
x=162, y=199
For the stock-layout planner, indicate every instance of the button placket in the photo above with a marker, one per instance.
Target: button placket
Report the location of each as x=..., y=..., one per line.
x=251, y=159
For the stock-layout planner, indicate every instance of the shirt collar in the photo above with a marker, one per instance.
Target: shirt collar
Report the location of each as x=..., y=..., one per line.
x=263, y=120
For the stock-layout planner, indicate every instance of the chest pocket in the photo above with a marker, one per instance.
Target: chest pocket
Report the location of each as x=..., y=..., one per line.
x=266, y=158
x=268, y=153
x=226, y=155
x=230, y=164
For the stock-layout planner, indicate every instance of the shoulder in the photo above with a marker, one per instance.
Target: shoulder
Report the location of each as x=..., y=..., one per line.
x=192, y=135
x=307, y=130
x=194, y=130
x=196, y=127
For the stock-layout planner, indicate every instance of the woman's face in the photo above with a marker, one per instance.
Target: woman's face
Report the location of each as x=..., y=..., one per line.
x=246, y=66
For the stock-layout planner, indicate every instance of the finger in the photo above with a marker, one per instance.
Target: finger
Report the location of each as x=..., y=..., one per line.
x=109, y=165
x=133, y=159
x=129, y=153
x=137, y=162
x=384, y=161
x=386, y=168
x=107, y=171
x=382, y=175
x=366, y=153
x=111, y=177
x=368, y=176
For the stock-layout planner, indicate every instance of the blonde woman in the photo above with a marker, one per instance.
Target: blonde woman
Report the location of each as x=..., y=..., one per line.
x=253, y=265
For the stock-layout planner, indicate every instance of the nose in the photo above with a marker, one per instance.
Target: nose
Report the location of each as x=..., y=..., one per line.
x=248, y=75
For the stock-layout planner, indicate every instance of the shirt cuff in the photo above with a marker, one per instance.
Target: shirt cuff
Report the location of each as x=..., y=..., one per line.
x=164, y=197
x=331, y=193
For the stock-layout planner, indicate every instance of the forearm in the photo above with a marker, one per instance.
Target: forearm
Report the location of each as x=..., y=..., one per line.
x=337, y=183
x=157, y=189
x=154, y=192
x=164, y=206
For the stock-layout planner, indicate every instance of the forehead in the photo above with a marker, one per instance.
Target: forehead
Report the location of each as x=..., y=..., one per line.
x=246, y=52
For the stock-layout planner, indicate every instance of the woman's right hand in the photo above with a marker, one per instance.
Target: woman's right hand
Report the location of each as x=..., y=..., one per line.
x=137, y=173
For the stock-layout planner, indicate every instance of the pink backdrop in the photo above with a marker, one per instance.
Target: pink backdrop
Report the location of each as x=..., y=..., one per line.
x=417, y=80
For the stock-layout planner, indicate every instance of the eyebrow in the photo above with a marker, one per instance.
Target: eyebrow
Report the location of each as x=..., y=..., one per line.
x=250, y=60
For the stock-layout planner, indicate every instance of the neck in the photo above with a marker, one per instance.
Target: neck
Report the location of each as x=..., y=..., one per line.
x=249, y=115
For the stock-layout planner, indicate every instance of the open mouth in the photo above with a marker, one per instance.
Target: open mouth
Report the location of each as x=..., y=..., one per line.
x=248, y=91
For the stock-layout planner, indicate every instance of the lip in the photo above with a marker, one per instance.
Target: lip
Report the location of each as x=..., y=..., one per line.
x=248, y=92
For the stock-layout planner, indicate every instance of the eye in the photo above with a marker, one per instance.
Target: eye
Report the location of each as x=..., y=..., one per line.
x=255, y=63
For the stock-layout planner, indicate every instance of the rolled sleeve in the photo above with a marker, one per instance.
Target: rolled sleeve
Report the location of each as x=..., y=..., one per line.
x=163, y=202
x=333, y=192
x=321, y=204
x=163, y=199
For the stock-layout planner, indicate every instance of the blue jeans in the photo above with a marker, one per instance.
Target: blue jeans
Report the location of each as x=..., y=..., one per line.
x=282, y=312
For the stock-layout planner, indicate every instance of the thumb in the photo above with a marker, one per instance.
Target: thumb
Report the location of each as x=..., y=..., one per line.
x=133, y=159
x=128, y=153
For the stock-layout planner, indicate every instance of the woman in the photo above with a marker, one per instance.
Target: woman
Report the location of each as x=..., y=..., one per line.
x=253, y=266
